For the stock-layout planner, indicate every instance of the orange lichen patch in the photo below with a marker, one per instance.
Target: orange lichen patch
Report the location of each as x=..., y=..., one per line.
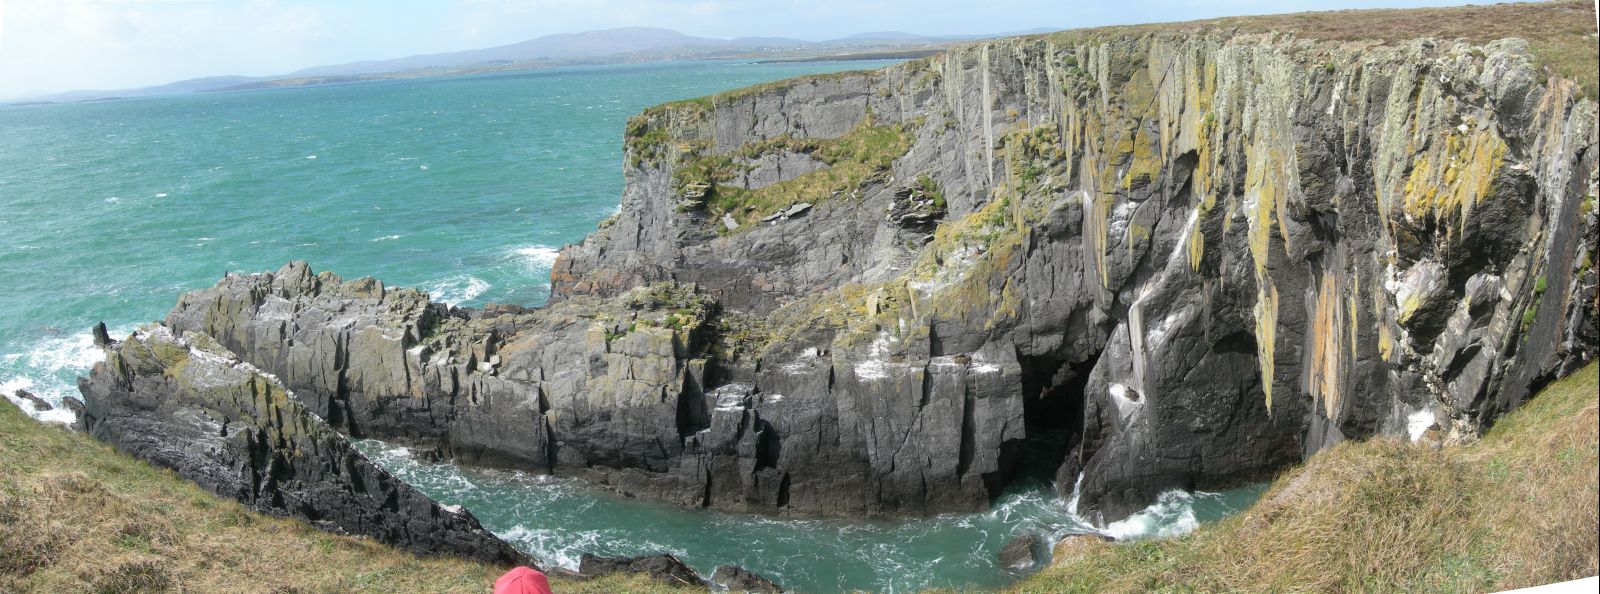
x=1447, y=183
x=1327, y=346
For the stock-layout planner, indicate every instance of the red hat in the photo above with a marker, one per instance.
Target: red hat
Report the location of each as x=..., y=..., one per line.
x=522, y=580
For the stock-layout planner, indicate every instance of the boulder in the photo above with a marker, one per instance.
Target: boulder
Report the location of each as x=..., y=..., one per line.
x=665, y=568
x=738, y=579
x=39, y=404
x=1023, y=552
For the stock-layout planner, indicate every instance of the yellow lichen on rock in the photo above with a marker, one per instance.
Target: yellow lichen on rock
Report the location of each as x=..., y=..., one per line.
x=1266, y=313
x=1448, y=182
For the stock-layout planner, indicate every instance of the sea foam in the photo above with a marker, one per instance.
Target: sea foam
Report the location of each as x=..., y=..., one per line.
x=458, y=289
x=536, y=258
x=49, y=370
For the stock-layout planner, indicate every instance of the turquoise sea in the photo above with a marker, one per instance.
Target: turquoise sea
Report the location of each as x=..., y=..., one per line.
x=464, y=186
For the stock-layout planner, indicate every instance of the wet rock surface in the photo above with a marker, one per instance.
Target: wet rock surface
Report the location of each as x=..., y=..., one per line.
x=738, y=579
x=38, y=404
x=1023, y=553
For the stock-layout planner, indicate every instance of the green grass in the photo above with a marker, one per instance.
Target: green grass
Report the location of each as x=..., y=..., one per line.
x=851, y=159
x=76, y=516
x=1518, y=508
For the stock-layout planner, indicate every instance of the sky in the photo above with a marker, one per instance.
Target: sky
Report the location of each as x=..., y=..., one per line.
x=51, y=46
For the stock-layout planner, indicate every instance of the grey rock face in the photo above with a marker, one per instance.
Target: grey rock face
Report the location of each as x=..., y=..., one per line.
x=666, y=569
x=187, y=404
x=1198, y=256
x=1178, y=260
x=738, y=579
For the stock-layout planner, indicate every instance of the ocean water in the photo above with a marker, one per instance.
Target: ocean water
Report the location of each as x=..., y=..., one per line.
x=557, y=520
x=464, y=186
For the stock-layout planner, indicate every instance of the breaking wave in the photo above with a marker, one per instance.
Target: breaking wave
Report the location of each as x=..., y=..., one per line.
x=536, y=259
x=458, y=289
x=49, y=369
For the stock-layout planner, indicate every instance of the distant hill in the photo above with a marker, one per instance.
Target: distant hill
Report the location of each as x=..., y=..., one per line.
x=551, y=47
x=630, y=45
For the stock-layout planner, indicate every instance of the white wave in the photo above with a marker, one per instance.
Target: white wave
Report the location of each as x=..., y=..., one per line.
x=554, y=547
x=385, y=238
x=50, y=369
x=161, y=194
x=311, y=158
x=537, y=259
x=458, y=289
x=113, y=200
x=1171, y=515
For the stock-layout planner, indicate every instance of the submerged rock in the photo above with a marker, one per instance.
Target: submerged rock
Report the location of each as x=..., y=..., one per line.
x=738, y=579
x=187, y=404
x=38, y=404
x=1022, y=553
x=666, y=569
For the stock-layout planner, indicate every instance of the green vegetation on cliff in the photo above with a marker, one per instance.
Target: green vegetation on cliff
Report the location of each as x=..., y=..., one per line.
x=1520, y=507
x=850, y=160
x=76, y=516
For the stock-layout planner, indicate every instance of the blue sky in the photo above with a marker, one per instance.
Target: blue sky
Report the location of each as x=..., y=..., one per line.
x=58, y=45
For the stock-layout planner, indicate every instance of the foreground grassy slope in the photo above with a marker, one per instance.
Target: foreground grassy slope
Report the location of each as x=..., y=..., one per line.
x=76, y=516
x=1521, y=507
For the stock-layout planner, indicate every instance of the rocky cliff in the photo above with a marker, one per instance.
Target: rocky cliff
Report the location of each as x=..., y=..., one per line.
x=1142, y=259
x=185, y=403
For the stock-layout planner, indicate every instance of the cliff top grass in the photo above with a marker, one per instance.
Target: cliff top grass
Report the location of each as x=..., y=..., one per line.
x=1518, y=508
x=1561, y=33
x=76, y=516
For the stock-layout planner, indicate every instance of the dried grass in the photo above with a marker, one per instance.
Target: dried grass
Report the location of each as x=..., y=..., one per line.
x=1519, y=508
x=76, y=516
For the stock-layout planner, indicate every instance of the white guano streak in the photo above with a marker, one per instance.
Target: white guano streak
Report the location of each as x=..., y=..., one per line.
x=1136, y=311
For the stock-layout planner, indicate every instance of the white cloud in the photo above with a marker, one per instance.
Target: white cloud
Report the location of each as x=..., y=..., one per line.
x=55, y=45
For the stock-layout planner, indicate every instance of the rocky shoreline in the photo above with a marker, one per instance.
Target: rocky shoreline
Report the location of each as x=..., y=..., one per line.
x=1192, y=257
